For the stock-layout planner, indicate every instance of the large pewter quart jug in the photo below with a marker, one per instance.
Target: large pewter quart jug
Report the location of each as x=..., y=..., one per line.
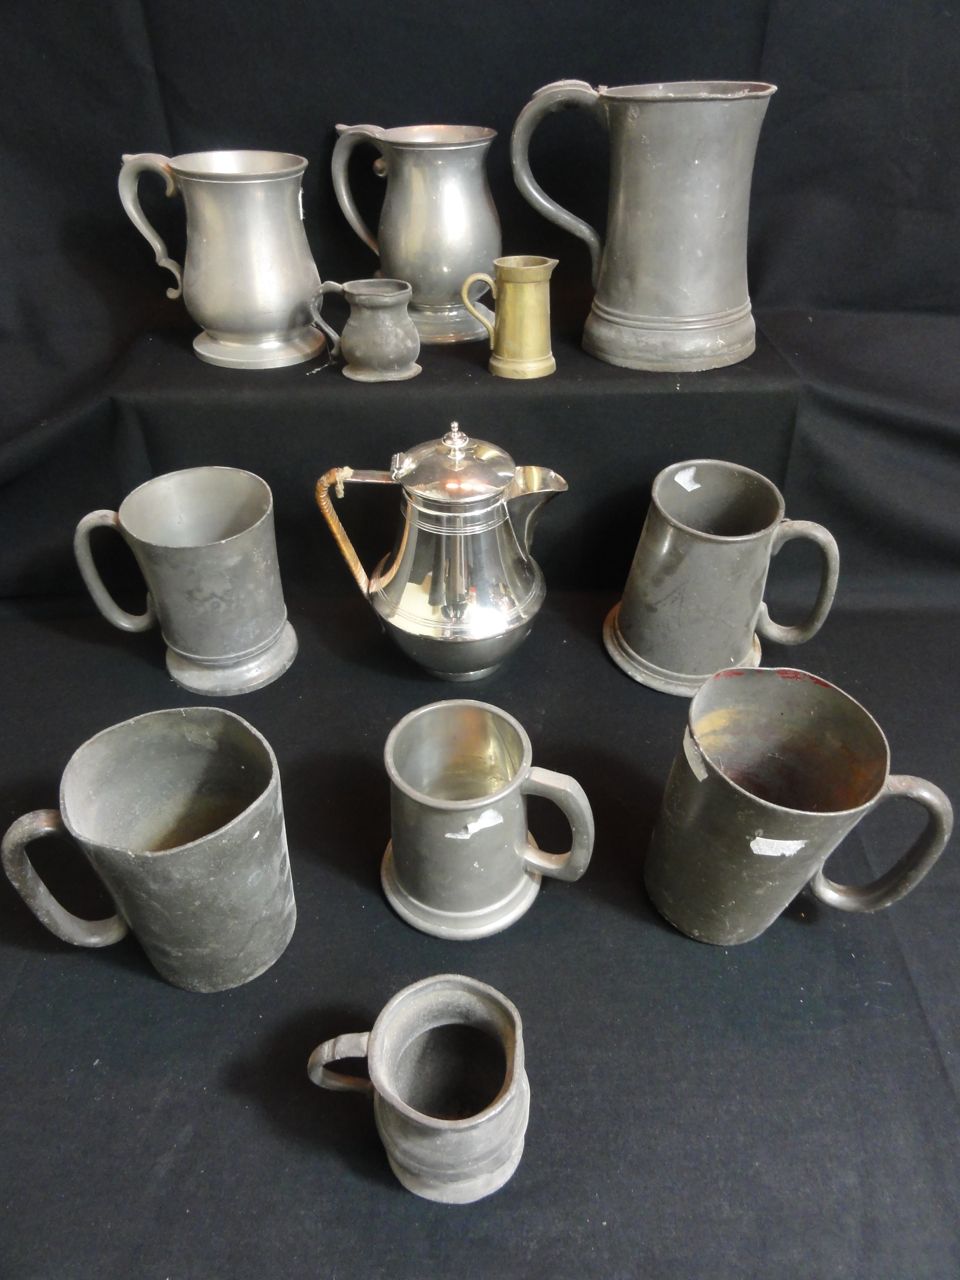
x=248, y=276
x=460, y=589
x=671, y=279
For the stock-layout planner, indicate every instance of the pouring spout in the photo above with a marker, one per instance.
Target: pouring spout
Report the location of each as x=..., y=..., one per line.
x=526, y=496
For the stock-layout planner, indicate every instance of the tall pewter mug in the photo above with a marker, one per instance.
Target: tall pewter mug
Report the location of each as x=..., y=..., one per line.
x=776, y=767
x=248, y=276
x=179, y=813
x=450, y=1093
x=205, y=543
x=671, y=279
x=693, y=602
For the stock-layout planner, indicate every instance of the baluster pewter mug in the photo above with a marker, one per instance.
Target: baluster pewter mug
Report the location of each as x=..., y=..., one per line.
x=380, y=342
x=248, y=276
x=671, y=279
x=520, y=333
x=438, y=222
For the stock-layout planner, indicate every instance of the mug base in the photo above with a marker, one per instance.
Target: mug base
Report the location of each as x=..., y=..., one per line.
x=375, y=375
x=463, y=676
x=463, y=1191
x=644, y=672
x=542, y=367
x=458, y=925
x=670, y=345
x=239, y=677
x=306, y=344
x=449, y=324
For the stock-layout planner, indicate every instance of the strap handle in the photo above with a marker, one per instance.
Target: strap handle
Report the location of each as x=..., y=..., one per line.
x=786, y=531
x=94, y=583
x=328, y=286
x=350, y=137
x=353, y=1045
x=127, y=185
x=570, y=797
x=491, y=284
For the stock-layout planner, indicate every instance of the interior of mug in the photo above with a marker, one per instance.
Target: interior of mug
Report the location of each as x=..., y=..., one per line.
x=195, y=508
x=456, y=751
x=237, y=164
x=438, y=135
x=790, y=739
x=718, y=498
x=164, y=779
x=691, y=90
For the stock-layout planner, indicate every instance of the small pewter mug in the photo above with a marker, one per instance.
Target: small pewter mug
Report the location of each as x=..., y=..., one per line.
x=179, y=813
x=777, y=766
x=461, y=862
x=379, y=342
x=693, y=602
x=205, y=543
x=248, y=276
x=450, y=1094
x=438, y=221
x=520, y=333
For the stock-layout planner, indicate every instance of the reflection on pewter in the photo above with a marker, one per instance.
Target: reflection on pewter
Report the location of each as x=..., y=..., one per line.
x=380, y=342
x=460, y=590
x=520, y=334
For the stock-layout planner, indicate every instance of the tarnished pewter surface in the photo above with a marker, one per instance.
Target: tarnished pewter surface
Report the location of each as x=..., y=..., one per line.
x=379, y=342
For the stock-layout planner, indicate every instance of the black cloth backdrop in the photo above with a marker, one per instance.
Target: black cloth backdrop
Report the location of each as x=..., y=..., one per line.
x=785, y=1108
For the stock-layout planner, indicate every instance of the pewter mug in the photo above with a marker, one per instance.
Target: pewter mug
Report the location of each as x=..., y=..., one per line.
x=520, y=333
x=204, y=541
x=461, y=863
x=693, y=602
x=450, y=1093
x=380, y=342
x=179, y=813
x=671, y=279
x=776, y=767
x=248, y=276
x=438, y=221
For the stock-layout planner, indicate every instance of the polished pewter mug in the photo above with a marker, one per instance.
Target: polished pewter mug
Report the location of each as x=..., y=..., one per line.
x=438, y=221
x=380, y=342
x=204, y=541
x=520, y=334
x=179, y=814
x=461, y=863
x=450, y=1094
x=671, y=280
x=248, y=276
x=776, y=767
x=693, y=603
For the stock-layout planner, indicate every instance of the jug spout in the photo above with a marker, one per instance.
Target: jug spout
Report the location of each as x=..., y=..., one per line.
x=528, y=493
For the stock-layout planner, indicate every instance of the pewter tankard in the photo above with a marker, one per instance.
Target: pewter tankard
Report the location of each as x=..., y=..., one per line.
x=671, y=279
x=380, y=342
x=248, y=276
x=438, y=222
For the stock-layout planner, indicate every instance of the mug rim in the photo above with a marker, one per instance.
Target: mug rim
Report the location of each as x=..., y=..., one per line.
x=190, y=165
x=266, y=514
x=674, y=468
x=690, y=91
x=419, y=135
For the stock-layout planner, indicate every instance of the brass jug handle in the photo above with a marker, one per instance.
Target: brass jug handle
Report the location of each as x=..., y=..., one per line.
x=336, y=478
x=350, y=137
x=477, y=315
x=127, y=185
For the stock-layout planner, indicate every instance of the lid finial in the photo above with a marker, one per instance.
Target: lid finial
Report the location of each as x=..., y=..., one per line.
x=455, y=440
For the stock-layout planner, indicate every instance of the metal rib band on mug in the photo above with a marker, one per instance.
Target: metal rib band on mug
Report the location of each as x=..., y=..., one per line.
x=776, y=767
x=693, y=601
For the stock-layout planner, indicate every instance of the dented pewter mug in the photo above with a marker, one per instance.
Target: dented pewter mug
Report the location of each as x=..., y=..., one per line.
x=204, y=541
x=248, y=276
x=693, y=602
x=379, y=342
x=776, y=767
x=520, y=332
x=179, y=813
x=461, y=862
x=450, y=1093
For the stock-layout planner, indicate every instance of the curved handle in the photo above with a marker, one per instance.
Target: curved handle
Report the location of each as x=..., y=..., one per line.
x=127, y=183
x=786, y=532
x=350, y=137
x=328, y=286
x=915, y=863
x=60, y=921
x=353, y=1045
x=571, y=798
x=561, y=93
x=464, y=291
x=94, y=583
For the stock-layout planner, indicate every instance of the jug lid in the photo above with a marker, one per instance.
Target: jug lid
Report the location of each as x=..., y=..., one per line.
x=454, y=469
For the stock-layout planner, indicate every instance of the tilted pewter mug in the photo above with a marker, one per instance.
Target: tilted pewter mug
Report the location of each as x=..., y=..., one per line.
x=179, y=813
x=380, y=342
x=693, y=602
x=776, y=767
x=520, y=333
x=461, y=863
x=205, y=543
x=671, y=279
x=248, y=275
x=438, y=221
x=450, y=1093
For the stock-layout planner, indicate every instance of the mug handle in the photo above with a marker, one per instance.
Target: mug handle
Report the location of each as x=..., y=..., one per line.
x=53, y=916
x=352, y=1045
x=350, y=137
x=94, y=583
x=464, y=291
x=915, y=863
x=570, y=797
x=127, y=185
x=328, y=286
x=786, y=531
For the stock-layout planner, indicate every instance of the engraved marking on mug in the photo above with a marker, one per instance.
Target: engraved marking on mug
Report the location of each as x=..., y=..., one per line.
x=770, y=848
x=694, y=758
x=686, y=479
x=489, y=818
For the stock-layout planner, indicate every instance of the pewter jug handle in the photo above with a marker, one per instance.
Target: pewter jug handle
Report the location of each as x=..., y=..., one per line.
x=127, y=184
x=561, y=93
x=328, y=286
x=570, y=797
x=53, y=916
x=915, y=863
x=786, y=532
x=350, y=137
x=353, y=1045
x=464, y=291
x=94, y=583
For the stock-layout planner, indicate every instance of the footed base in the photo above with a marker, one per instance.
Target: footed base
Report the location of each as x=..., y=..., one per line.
x=449, y=324
x=238, y=677
x=306, y=344
x=637, y=668
x=358, y=374
x=661, y=346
